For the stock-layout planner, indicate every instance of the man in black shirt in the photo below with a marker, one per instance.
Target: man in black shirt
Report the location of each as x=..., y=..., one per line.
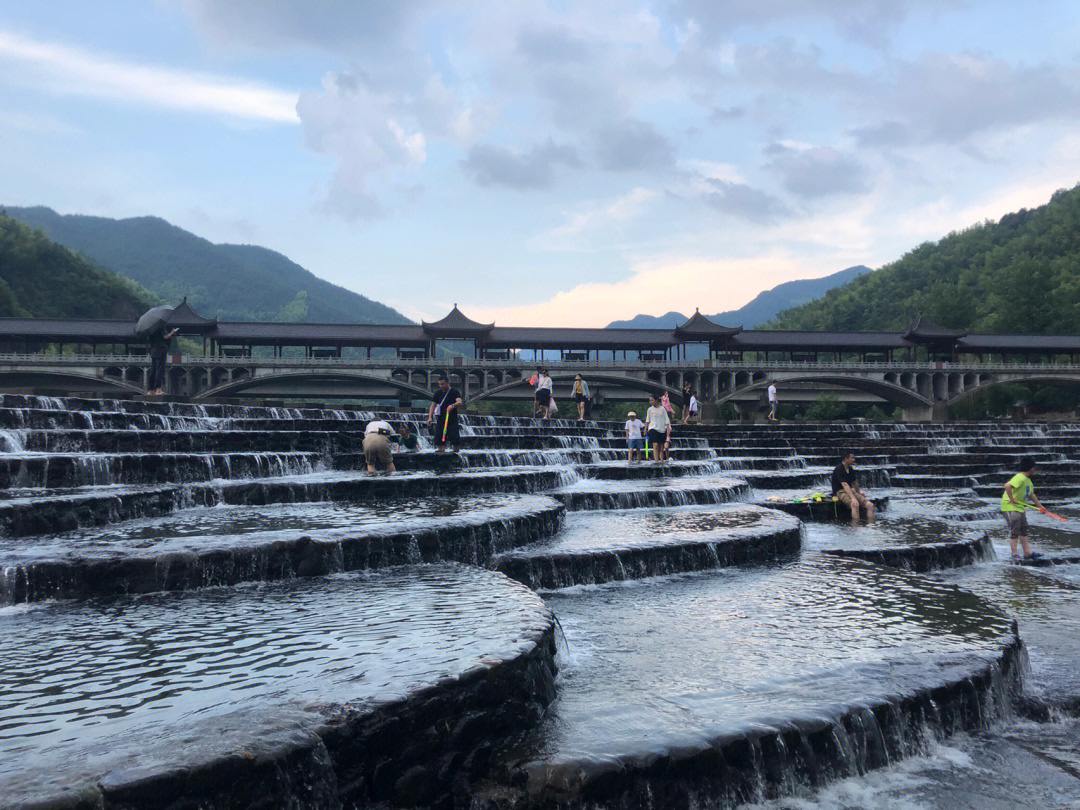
x=442, y=416
x=845, y=488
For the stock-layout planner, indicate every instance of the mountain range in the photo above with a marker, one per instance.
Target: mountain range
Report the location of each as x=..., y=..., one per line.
x=230, y=282
x=763, y=308
x=41, y=279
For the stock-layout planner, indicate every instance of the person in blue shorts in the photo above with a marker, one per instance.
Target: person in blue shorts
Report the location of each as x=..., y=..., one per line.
x=635, y=443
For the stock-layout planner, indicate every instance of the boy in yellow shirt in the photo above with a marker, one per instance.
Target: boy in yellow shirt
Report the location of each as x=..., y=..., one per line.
x=1018, y=498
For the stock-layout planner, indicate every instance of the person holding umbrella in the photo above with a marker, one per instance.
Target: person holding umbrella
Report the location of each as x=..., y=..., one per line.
x=153, y=326
x=159, y=350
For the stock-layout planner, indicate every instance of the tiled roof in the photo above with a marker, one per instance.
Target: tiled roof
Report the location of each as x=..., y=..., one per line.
x=699, y=325
x=457, y=323
x=923, y=329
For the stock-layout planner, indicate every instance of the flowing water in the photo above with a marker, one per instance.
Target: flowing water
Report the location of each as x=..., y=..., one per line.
x=180, y=583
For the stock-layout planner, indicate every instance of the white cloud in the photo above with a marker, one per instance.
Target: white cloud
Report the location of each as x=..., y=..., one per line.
x=659, y=285
x=594, y=216
x=70, y=71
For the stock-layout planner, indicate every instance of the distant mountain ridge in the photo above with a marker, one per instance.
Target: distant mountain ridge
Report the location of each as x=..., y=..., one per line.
x=230, y=282
x=766, y=306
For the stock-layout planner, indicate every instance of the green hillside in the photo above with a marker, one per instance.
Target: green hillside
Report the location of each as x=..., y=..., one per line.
x=39, y=278
x=230, y=282
x=1021, y=274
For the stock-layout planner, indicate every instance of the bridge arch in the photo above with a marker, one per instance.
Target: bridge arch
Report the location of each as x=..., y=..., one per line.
x=990, y=382
x=888, y=391
x=61, y=379
x=245, y=383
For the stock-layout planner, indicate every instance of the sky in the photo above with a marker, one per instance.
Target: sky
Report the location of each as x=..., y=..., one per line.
x=545, y=163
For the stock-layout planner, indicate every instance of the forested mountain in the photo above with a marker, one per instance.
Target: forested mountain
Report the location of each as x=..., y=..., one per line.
x=763, y=308
x=39, y=278
x=230, y=282
x=1021, y=274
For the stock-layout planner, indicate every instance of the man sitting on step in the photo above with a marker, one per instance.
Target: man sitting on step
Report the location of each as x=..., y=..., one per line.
x=845, y=488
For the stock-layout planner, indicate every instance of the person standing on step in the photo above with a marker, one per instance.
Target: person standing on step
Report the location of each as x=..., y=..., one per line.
x=695, y=408
x=845, y=488
x=543, y=393
x=1018, y=498
x=686, y=394
x=378, y=436
x=581, y=396
x=774, y=401
x=635, y=443
x=159, y=350
x=443, y=416
x=658, y=423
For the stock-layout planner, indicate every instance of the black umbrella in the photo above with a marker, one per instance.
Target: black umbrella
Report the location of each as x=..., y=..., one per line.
x=152, y=321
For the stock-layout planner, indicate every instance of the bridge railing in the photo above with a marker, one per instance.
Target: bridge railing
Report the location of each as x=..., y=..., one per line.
x=98, y=360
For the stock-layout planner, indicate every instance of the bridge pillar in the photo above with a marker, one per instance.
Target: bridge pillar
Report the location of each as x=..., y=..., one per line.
x=747, y=411
x=917, y=413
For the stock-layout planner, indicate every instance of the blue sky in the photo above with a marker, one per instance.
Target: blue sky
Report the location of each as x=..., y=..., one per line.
x=545, y=163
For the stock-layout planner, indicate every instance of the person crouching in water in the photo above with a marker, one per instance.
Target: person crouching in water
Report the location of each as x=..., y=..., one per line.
x=406, y=439
x=377, y=438
x=1019, y=496
x=635, y=443
x=845, y=488
x=658, y=422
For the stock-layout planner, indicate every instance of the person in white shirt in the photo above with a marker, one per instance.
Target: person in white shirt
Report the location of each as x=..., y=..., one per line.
x=377, y=437
x=694, y=408
x=634, y=441
x=543, y=393
x=658, y=423
x=774, y=402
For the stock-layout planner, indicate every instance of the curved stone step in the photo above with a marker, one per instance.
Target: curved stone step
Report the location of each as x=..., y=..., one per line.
x=598, y=547
x=917, y=544
x=215, y=546
x=367, y=488
x=389, y=686
x=739, y=685
x=594, y=494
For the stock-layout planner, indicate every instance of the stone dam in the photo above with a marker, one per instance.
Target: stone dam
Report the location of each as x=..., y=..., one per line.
x=216, y=607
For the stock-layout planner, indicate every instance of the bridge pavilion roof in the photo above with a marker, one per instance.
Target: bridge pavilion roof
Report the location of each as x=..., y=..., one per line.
x=189, y=321
x=927, y=332
x=456, y=324
x=700, y=328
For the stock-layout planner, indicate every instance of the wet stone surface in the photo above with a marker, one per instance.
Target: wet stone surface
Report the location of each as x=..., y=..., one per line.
x=592, y=494
x=151, y=669
x=801, y=643
x=597, y=547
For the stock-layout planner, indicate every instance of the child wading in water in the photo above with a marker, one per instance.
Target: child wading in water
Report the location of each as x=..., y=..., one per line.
x=1018, y=498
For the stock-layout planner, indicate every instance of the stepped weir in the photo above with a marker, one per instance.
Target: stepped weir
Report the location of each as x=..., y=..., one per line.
x=214, y=606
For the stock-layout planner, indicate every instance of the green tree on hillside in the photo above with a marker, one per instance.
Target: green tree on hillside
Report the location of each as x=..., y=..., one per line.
x=1020, y=274
x=39, y=278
